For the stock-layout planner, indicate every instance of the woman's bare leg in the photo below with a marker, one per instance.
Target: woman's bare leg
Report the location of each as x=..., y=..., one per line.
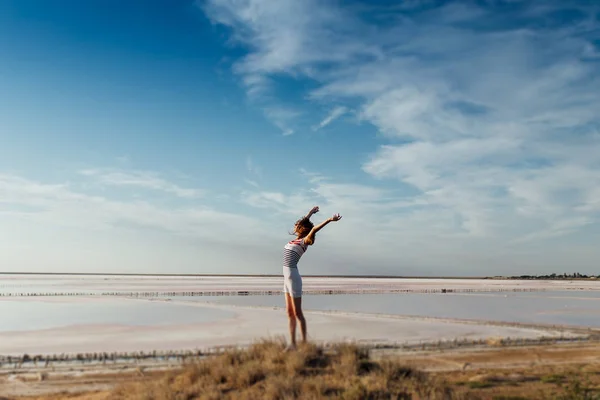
x=289, y=305
x=300, y=315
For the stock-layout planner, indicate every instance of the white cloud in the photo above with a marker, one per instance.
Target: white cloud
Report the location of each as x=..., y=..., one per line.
x=140, y=179
x=59, y=227
x=283, y=205
x=63, y=205
x=282, y=118
x=491, y=113
x=287, y=36
x=334, y=114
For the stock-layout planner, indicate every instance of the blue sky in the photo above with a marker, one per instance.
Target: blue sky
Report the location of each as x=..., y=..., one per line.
x=456, y=138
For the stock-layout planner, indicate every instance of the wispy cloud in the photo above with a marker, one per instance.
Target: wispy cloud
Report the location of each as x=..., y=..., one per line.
x=140, y=179
x=282, y=118
x=332, y=116
x=60, y=205
x=490, y=109
x=286, y=38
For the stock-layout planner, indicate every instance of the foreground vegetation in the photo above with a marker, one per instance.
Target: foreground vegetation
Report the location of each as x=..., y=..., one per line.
x=266, y=371
x=343, y=371
x=568, y=371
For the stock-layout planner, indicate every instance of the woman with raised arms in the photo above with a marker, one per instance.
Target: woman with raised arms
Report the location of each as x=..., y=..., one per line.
x=305, y=232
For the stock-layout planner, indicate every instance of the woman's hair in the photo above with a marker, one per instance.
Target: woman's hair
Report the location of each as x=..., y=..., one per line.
x=302, y=227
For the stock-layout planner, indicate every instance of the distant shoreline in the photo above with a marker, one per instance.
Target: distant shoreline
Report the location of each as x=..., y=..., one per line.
x=499, y=277
x=249, y=275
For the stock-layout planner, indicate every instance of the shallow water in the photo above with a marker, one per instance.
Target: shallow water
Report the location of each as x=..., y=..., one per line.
x=58, y=285
x=547, y=304
x=25, y=315
x=580, y=308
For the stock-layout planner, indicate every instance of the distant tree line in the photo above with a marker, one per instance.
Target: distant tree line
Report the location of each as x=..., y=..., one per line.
x=575, y=275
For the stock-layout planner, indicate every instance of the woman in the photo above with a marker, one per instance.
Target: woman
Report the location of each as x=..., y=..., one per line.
x=305, y=233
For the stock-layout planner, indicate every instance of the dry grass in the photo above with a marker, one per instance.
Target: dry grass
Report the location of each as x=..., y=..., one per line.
x=555, y=382
x=265, y=371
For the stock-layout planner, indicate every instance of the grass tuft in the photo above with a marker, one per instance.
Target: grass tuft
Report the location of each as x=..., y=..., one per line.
x=266, y=371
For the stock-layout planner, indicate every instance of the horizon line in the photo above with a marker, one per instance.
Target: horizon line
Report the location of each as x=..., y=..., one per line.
x=239, y=275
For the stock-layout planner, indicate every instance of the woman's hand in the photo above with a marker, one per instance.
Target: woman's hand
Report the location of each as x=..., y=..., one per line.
x=310, y=238
x=314, y=210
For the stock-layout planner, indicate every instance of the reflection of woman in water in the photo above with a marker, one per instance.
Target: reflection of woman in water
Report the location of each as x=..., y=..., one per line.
x=305, y=233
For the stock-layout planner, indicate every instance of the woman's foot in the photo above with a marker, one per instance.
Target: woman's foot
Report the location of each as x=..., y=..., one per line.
x=290, y=347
